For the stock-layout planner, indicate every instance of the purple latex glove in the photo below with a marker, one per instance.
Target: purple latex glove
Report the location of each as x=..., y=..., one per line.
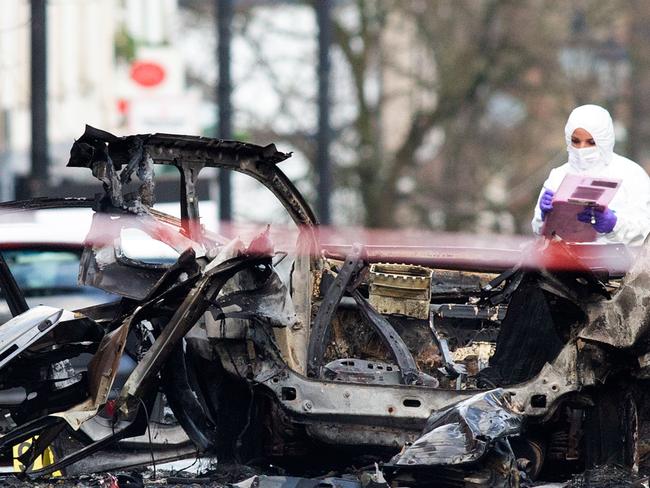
x=546, y=202
x=605, y=219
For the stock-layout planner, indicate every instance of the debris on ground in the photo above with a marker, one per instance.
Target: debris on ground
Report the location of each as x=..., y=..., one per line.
x=608, y=477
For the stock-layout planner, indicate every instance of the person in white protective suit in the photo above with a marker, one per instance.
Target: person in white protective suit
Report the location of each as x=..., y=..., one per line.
x=589, y=134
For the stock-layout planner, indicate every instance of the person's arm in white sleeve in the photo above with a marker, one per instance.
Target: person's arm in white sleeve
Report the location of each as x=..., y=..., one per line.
x=537, y=221
x=633, y=219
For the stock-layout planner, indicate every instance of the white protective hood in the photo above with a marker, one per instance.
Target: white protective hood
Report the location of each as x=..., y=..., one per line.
x=597, y=121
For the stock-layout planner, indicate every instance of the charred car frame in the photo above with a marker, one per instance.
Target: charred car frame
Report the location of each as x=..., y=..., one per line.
x=443, y=364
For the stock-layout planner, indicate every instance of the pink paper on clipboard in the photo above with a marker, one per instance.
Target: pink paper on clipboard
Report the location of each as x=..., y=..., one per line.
x=574, y=194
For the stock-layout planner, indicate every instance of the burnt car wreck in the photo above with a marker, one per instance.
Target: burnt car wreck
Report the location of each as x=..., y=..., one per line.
x=439, y=364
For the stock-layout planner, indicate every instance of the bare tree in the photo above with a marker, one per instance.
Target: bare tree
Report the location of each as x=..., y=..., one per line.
x=639, y=48
x=447, y=113
x=467, y=52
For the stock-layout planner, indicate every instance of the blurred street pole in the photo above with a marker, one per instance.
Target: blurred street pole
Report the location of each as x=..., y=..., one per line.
x=323, y=166
x=224, y=89
x=7, y=178
x=40, y=155
x=639, y=49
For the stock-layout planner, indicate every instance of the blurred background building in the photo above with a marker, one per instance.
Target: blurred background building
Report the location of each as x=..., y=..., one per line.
x=445, y=114
x=112, y=64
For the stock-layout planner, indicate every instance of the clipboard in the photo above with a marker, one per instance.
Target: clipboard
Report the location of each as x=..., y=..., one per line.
x=574, y=194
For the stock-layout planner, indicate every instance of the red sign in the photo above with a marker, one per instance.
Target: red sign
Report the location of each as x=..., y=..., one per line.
x=122, y=106
x=147, y=73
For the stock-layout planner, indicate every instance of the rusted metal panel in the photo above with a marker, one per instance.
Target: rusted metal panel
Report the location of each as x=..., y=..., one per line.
x=400, y=289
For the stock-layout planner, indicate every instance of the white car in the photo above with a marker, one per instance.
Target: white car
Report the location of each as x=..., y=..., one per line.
x=44, y=259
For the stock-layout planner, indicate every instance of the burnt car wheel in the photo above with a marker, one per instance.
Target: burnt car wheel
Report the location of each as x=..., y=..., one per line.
x=530, y=455
x=224, y=408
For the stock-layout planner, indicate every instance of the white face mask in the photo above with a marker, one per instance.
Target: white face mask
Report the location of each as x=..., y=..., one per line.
x=585, y=158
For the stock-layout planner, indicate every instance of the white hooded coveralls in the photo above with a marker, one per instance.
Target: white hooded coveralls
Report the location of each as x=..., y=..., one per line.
x=632, y=200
